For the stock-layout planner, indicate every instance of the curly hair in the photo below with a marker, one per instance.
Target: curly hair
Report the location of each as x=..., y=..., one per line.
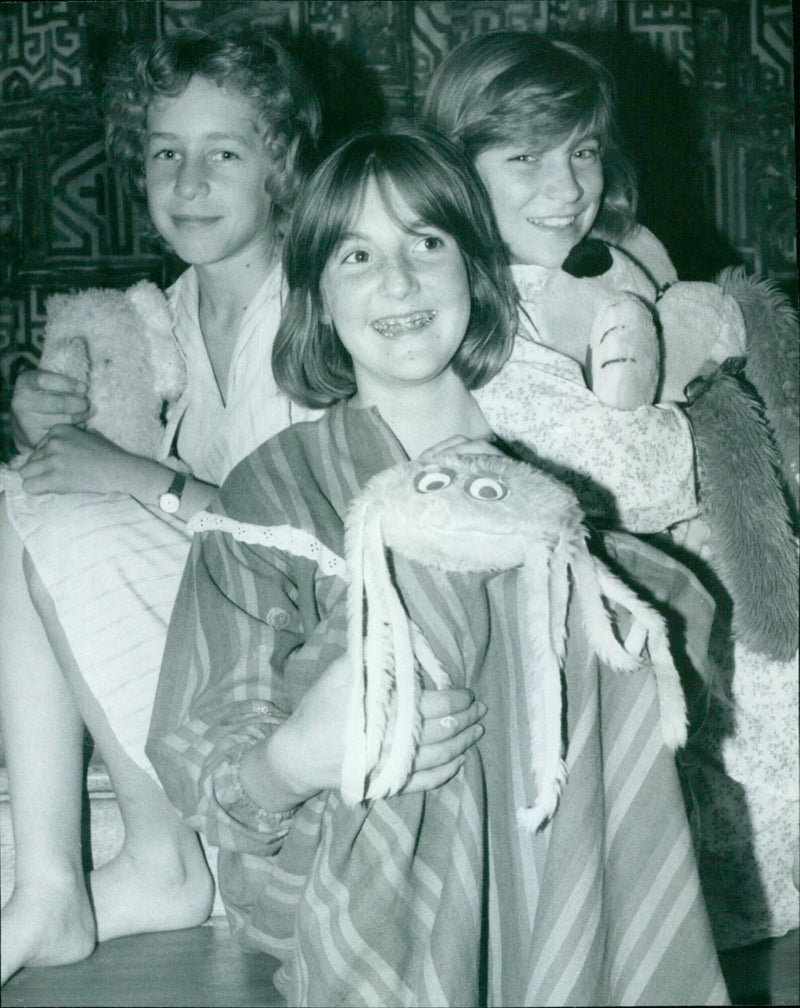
x=434, y=178
x=258, y=67
x=504, y=86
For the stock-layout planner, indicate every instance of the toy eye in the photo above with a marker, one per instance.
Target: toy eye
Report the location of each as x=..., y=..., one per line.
x=486, y=488
x=433, y=480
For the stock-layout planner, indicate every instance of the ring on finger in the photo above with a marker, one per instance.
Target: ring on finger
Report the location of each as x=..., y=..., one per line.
x=449, y=722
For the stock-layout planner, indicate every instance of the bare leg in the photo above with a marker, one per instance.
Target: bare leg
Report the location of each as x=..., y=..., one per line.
x=48, y=920
x=159, y=881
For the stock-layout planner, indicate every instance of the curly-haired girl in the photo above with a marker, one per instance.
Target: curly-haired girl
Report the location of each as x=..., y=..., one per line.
x=217, y=133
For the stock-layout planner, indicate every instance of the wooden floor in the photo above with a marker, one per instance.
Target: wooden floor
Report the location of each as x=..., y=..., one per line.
x=203, y=967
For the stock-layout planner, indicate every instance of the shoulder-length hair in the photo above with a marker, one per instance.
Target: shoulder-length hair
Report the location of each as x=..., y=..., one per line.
x=507, y=86
x=258, y=67
x=437, y=182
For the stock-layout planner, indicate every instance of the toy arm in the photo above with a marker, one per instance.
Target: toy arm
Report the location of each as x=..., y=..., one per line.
x=624, y=358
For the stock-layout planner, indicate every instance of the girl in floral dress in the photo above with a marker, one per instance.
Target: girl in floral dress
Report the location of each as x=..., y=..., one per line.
x=536, y=118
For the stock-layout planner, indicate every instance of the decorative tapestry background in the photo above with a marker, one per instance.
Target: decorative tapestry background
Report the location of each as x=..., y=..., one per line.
x=706, y=102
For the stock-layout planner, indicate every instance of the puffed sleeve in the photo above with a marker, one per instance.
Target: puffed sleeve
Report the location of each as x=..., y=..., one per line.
x=634, y=469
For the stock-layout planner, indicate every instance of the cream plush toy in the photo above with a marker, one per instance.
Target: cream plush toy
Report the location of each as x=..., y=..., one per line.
x=612, y=333
x=480, y=513
x=120, y=343
x=705, y=337
x=637, y=351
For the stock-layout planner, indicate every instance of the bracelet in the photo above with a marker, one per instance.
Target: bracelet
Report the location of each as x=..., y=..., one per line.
x=272, y=820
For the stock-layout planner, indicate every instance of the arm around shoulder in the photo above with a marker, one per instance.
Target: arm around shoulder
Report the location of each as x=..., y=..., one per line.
x=632, y=468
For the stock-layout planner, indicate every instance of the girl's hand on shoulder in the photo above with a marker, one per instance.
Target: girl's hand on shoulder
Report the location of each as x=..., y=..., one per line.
x=71, y=460
x=459, y=444
x=42, y=399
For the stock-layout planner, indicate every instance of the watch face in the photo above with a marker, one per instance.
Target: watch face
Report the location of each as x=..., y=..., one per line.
x=169, y=502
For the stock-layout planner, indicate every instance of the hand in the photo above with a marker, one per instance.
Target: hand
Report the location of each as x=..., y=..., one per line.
x=459, y=444
x=42, y=399
x=450, y=726
x=70, y=460
x=305, y=755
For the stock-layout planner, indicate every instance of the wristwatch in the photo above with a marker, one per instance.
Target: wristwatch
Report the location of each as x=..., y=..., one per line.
x=170, y=501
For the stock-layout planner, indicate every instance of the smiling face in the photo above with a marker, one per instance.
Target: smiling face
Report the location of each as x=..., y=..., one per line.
x=544, y=202
x=398, y=296
x=207, y=166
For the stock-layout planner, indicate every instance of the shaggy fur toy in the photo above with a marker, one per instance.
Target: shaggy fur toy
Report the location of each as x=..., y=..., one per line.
x=479, y=513
x=750, y=541
x=746, y=440
x=120, y=343
x=772, y=363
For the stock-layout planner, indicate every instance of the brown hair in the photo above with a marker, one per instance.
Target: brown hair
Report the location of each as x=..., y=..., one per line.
x=286, y=108
x=497, y=88
x=435, y=179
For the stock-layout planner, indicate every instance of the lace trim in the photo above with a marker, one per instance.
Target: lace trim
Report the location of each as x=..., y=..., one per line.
x=292, y=540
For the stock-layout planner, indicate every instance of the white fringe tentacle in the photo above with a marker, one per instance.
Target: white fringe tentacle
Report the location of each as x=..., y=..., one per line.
x=671, y=699
x=400, y=741
x=354, y=764
x=543, y=689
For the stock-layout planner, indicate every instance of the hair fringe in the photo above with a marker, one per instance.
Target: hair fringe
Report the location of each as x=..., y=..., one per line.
x=257, y=66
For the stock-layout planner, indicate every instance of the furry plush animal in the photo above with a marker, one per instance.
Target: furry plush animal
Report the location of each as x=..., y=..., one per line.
x=701, y=325
x=750, y=544
x=612, y=333
x=479, y=513
x=745, y=418
x=772, y=363
x=120, y=343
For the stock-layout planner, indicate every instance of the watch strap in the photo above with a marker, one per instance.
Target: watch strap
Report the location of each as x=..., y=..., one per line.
x=177, y=484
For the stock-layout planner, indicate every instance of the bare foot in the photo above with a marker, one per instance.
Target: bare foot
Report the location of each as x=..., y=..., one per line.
x=47, y=925
x=161, y=887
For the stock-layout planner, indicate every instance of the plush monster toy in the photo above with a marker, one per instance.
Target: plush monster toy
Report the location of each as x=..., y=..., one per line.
x=480, y=513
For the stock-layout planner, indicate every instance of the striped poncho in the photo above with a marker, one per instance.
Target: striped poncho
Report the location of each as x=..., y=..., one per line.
x=435, y=898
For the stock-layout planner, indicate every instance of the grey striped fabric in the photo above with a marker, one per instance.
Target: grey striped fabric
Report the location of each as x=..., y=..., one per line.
x=436, y=898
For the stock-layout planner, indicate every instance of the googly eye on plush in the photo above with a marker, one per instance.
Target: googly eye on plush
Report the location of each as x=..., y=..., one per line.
x=433, y=479
x=486, y=488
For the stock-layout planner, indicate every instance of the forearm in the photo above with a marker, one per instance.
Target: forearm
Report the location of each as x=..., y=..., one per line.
x=303, y=755
x=222, y=688
x=266, y=774
x=146, y=479
x=635, y=466
x=206, y=787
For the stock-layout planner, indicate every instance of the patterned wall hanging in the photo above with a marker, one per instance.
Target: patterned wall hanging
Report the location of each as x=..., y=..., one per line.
x=710, y=81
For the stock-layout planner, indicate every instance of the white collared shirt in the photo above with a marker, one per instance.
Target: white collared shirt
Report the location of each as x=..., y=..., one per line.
x=215, y=432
